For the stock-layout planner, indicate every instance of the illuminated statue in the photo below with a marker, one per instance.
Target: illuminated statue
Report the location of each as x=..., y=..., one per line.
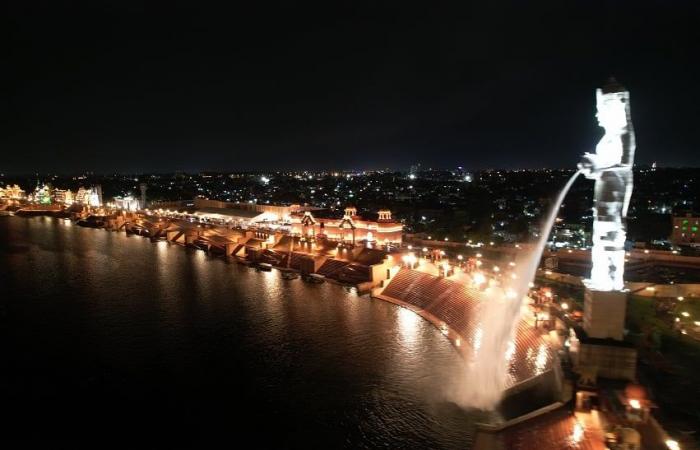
x=611, y=168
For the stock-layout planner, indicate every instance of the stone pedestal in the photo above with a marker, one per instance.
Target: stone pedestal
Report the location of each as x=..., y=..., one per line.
x=604, y=314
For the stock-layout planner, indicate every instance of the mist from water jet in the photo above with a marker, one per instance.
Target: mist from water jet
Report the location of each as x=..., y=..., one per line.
x=487, y=376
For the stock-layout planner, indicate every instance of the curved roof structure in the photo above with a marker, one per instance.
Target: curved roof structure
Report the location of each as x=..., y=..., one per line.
x=457, y=306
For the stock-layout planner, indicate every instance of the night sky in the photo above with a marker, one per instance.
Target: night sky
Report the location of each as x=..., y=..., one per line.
x=125, y=87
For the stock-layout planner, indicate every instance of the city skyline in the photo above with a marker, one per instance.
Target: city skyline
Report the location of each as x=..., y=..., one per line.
x=351, y=225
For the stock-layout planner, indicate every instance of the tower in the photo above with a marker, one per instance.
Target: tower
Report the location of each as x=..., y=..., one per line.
x=98, y=195
x=143, y=188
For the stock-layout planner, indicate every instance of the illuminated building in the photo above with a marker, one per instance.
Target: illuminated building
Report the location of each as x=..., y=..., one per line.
x=350, y=228
x=82, y=196
x=232, y=214
x=91, y=196
x=243, y=214
x=41, y=195
x=13, y=192
x=685, y=230
x=63, y=196
x=127, y=203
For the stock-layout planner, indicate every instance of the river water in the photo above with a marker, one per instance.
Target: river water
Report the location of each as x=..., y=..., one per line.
x=108, y=338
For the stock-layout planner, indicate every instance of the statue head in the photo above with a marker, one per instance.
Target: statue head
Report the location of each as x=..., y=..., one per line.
x=612, y=103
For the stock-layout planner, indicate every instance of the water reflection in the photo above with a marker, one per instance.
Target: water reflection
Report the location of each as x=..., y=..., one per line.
x=409, y=326
x=148, y=332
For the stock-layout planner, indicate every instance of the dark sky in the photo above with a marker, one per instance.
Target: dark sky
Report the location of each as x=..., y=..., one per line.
x=122, y=86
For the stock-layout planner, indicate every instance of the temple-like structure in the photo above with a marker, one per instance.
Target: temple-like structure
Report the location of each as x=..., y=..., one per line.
x=372, y=231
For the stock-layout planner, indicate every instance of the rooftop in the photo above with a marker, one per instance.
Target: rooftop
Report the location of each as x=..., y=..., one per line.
x=231, y=212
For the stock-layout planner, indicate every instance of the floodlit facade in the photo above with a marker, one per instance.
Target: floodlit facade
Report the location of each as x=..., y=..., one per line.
x=41, y=195
x=91, y=196
x=13, y=192
x=350, y=228
x=244, y=214
x=127, y=203
x=63, y=196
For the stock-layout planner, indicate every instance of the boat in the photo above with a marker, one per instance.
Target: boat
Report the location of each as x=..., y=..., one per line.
x=290, y=275
x=314, y=278
x=92, y=221
x=264, y=266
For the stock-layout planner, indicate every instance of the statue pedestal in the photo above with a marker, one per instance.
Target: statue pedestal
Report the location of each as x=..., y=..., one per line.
x=604, y=313
x=599, y=348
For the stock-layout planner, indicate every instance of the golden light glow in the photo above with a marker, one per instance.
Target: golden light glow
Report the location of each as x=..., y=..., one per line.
x=577, y=434
x=672, y=445
x=479, y=279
